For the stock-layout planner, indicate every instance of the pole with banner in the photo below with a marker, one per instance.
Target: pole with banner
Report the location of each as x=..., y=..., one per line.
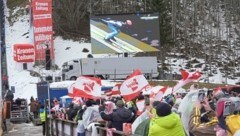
x=42, y=28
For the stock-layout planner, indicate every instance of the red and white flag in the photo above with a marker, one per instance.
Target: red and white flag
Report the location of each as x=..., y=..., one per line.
x=133, y=85
x=140, y=105
x=115, y=90
x=186, y=78
x=159, y=95
x=70, y=90
x=77, y=100
x=87, y=87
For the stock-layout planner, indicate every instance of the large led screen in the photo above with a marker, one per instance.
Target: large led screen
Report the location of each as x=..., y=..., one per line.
x=125, y=33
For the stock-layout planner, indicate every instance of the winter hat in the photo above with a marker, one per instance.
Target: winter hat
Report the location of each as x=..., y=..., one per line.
x=163, y=109
x=88, y=103
x=170, y=99
x=119, y=103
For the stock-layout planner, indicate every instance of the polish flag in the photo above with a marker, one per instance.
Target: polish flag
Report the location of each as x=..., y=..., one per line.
x=87, y=87
x=186, y=78
x=133, y=85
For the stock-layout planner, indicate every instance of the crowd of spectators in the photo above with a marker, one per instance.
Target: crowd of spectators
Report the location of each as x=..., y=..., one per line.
x=177, y=115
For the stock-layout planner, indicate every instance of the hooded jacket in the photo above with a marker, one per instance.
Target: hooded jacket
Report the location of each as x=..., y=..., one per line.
x=117, y=117
x=169, y=125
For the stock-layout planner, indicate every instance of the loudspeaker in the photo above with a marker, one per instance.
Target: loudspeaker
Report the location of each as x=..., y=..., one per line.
x=24, y=66
x=125, y=54
x=48, y=59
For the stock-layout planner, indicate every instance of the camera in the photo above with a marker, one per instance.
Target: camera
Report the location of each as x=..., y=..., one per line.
x=201, y=95
x=227, y=108
x=147, y=100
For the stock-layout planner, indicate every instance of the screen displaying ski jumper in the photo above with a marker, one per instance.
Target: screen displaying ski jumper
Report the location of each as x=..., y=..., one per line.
x=125, y=33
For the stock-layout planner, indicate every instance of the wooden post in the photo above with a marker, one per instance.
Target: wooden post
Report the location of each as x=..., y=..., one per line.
x=62, y=123
x=1, y=132
x=56, y=125
x=51, y=123
x=71, y=129
x=46, y=119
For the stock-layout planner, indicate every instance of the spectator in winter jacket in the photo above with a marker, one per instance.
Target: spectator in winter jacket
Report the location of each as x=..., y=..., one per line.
x=131, y=106
x=90, y=115
x=43, y=118
x=198, y=128
x=165, y=123
x=74, y=112
x=69, y=111
x=33, y=108
x=118, y=117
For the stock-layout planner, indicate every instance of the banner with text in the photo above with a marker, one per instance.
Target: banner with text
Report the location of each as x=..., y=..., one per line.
x=23, y=53
x=42, y=28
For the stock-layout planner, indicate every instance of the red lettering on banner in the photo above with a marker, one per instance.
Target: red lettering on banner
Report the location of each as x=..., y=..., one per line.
x=133, y=85
x=42, y=28
x=88, y=87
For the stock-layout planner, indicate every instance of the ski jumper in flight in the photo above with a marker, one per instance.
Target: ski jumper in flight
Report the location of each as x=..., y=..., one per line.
x=115, y=27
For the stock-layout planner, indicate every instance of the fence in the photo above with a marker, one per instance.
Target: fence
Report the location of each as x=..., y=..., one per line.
x=60, y=127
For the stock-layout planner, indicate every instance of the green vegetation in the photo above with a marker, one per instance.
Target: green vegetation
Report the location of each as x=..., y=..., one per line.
x=13, y=4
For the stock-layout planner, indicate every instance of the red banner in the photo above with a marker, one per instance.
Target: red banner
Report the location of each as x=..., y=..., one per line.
x=42, y=28
x=23, y=53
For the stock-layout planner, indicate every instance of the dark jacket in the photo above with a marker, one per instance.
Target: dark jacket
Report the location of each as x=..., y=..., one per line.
x=74, y=112
x=117, y=117
x=69, y=111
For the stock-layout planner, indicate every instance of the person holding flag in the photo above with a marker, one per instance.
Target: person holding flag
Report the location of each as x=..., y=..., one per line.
x=117, y=117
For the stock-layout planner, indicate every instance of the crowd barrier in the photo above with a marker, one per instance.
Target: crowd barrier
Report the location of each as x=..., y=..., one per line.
x=61, y=127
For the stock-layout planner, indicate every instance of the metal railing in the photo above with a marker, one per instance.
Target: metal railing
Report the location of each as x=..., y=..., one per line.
x=62, y=127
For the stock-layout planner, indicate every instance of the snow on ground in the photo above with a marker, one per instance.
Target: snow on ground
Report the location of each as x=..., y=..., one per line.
x=21, y=80
x=66, y=50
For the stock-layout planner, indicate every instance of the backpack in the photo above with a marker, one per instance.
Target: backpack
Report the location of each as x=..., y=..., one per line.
x=233, y=123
